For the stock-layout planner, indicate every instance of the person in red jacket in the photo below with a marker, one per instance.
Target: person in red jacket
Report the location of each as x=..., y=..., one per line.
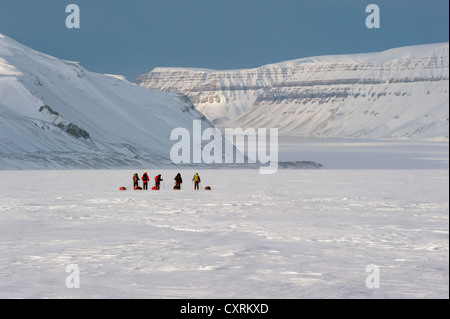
x=158, y=180
x=145, y=180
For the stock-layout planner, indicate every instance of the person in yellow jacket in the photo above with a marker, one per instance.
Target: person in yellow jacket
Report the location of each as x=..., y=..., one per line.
x=196, y=180
x=135, y=181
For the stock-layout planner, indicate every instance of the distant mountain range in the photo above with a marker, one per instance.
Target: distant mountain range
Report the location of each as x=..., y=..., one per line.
x=399, y=93
x=56, y=114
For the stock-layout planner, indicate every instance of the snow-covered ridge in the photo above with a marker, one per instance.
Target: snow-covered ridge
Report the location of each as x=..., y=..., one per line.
x=397, y=93
x=117, y=76
x=56, y=114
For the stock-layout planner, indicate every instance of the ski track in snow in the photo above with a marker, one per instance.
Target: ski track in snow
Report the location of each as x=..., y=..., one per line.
x=298, y=234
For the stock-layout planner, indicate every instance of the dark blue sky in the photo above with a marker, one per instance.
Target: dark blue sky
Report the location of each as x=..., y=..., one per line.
x=132, y=37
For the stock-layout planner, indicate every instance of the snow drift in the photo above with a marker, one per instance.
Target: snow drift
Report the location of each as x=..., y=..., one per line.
x=56, y=114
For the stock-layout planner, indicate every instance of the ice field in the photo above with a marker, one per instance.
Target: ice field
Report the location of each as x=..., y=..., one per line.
x=295, y=234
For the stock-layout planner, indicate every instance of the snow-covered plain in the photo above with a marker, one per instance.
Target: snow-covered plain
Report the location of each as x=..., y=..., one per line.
x=295, y=234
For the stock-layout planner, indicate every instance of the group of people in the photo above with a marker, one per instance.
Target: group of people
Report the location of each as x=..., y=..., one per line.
x=145, y=180
x=158, y=179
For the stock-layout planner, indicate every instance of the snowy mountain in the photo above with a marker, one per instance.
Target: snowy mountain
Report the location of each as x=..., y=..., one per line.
x=56, y=114
x=399, y=93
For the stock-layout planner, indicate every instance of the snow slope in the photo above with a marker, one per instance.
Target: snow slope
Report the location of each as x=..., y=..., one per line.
x=398, y=93
x=56, y=114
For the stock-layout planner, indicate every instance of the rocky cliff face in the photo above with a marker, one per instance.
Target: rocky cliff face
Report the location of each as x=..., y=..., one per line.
x=56, y=114
x=392, y=94
x=219, y=95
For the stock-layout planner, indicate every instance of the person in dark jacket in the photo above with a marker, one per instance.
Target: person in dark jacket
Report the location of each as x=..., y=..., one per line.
x=178, y=181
